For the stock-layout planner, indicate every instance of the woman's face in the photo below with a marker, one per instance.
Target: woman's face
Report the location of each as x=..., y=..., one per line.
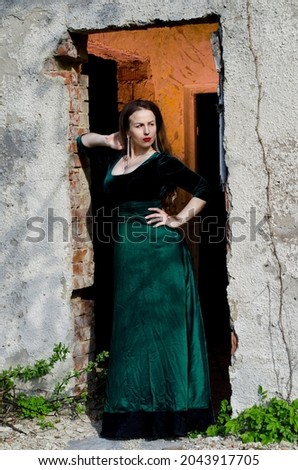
x=142, y=129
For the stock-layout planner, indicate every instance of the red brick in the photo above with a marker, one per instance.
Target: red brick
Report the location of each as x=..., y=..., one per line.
x=74, y=118
x=79, y=255
x=84, y=348
x=84, y=333
x=81, y=362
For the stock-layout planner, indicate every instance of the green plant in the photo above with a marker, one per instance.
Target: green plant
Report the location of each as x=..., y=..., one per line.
x=41, y=368
x=270, y=421
x=35, y=405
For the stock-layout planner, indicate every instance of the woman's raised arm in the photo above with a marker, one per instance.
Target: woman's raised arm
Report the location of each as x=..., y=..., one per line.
x=92, y=139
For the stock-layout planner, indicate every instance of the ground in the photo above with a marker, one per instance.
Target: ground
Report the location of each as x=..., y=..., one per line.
x=28, y=435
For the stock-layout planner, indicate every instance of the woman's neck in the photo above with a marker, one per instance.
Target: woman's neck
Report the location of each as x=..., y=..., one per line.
x=139, y=153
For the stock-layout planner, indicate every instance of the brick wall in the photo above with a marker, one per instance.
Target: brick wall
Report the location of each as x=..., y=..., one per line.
x=66, y=63
x=134, y=81
x=84, y=340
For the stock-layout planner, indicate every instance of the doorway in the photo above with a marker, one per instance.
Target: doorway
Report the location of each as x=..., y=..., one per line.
x=103, y=118
x=212, y=263
x=207, y=232
x=108, y=85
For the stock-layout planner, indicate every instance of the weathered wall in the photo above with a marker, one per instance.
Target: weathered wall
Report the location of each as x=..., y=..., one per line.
x=259, y=43
x=261, y=146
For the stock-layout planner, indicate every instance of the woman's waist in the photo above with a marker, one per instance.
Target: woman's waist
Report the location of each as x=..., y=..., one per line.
x=136, y=208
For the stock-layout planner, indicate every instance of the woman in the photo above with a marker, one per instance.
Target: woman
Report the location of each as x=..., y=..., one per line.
x=158, y=379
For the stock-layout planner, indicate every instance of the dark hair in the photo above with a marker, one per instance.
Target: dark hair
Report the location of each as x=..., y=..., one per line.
x=161, y=144
x=162, y=141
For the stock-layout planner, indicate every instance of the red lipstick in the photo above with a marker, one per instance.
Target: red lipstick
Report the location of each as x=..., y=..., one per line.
x=147, y=139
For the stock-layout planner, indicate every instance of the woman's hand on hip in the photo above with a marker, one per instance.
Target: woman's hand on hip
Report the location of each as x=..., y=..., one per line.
x=160, y=217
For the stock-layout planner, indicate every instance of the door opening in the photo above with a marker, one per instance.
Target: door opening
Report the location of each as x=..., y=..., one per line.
x=105, y=97
x=103, y=118
x=212, y=269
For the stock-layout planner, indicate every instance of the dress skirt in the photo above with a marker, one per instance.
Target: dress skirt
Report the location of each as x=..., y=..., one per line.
x=158, y=376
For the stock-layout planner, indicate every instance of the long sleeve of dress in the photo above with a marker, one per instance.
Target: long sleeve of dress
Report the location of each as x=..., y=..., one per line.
x=173, y=172
x=81, y=147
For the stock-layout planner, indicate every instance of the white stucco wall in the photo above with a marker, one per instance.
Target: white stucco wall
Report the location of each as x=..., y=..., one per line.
x=261, y=146
x=35, y=276
x=259, y=44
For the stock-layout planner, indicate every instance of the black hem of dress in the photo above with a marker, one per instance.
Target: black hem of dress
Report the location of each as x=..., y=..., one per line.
x=155, y=425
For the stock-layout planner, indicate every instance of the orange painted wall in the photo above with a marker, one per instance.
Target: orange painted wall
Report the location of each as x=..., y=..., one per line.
x=179, y=56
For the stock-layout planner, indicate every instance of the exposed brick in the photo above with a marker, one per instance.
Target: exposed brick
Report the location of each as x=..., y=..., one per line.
x=50, y=66
x=82, y=214
x=82, y=255
x=80, y=242
x=84, y=348
x=74, y=174
x=84, y=320
x=79, y=388
x=84, y=94
x=75, y=93
x=81, y=361
x=84, y=108
x=72, y=147
x=84, y=81
x=80, y=199
x=82, y=281
x=83, y=120
x=84, y=333
x=74, y=185
x=83, y=306
x=78, y=106
x=66, y=49
x=74, y=79
x=76, y=306
x=75, y=118
x=79, y=180
x=80, y=232
x=78, y=161
x=78, y=268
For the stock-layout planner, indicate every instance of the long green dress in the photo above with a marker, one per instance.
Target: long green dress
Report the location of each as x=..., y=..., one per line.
x=158, y=378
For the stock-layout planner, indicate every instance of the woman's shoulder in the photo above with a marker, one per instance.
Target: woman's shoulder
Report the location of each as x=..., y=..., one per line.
x=81, y=147
x=167, y=157
x=111, y=154
x=168, y=160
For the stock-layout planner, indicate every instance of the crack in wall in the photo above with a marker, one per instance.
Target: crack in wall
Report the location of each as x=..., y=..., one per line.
x=256, y=59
